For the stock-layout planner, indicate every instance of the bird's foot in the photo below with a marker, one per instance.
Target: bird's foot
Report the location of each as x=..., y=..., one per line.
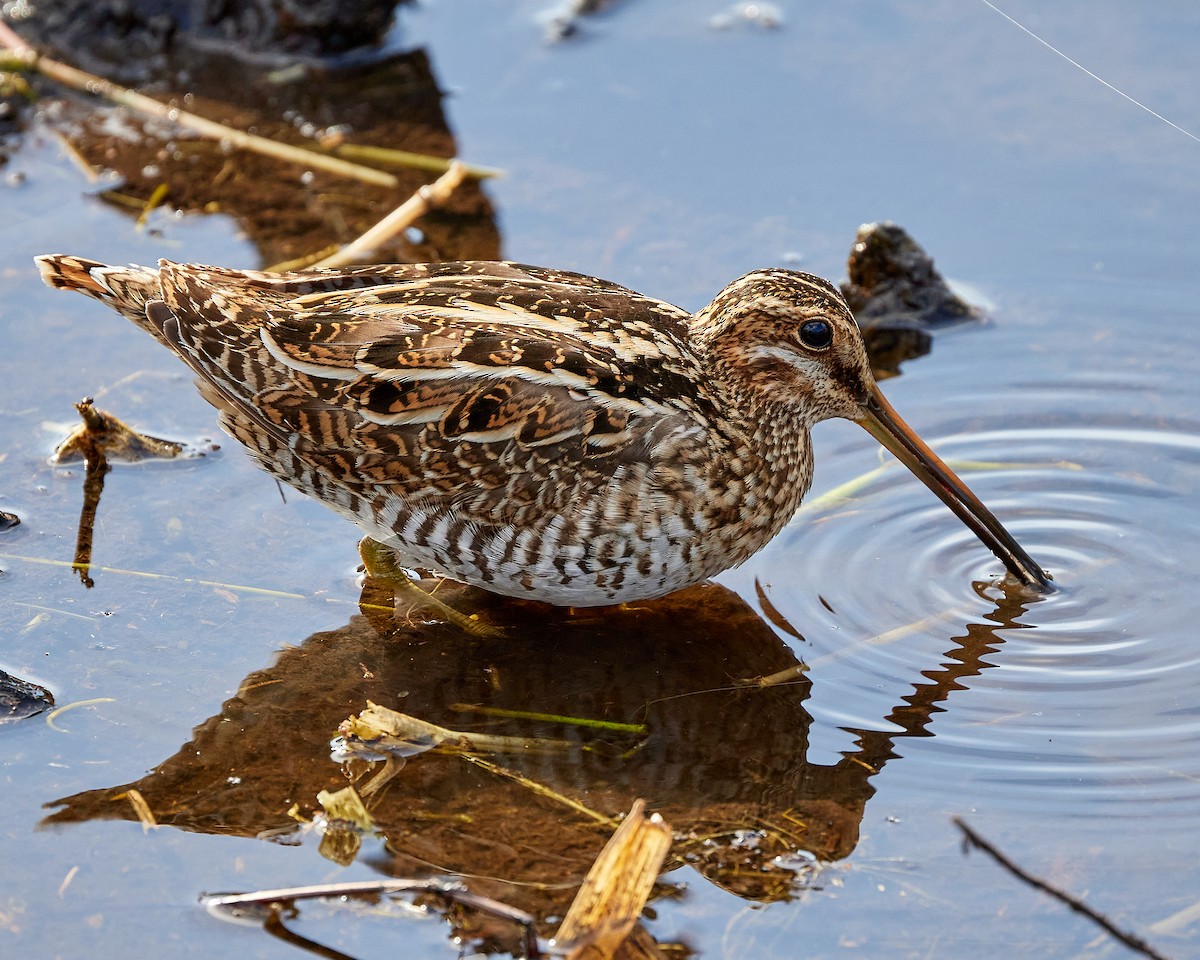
x=380, y=562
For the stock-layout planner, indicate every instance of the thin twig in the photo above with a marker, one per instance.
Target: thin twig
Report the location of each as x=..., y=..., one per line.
x=82, y=80
x=540, y=789
x=275, y=926
x=452, y=890
x=404, y=216
x=303, y=262
x=93, y=487
x=386, y=156
x=1131, y=941
x=93, y=175
x=638, y=728
x=90, y=83
x=150, y=575
x=848, y=492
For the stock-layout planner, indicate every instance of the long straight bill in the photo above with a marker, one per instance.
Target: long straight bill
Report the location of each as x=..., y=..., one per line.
x=885, y=425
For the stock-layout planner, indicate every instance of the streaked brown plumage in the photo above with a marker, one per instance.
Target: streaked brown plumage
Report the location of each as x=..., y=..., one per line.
x=534, y=432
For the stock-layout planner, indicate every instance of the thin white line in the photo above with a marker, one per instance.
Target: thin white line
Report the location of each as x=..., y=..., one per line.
x=1080, y=66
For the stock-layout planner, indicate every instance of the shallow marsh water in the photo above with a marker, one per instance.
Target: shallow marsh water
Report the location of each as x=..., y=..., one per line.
x=662, y=153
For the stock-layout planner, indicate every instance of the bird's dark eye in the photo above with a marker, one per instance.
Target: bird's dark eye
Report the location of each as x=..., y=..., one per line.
x=816, y=334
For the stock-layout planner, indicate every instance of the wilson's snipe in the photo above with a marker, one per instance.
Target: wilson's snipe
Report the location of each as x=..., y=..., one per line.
x=533, y=432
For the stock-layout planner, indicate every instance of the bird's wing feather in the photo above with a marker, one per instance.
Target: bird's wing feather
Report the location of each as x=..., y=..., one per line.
x=445, y=385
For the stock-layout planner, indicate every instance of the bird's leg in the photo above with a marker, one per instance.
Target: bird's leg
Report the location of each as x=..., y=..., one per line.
x=380, y=562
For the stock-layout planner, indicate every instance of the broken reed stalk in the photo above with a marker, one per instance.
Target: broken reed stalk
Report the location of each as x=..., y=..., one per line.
x=973, y=839
x=614, y=893
x=90, y=83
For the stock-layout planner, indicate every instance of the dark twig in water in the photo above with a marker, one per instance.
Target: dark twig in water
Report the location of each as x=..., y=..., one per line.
x=238, y=904
x=973, y=839
x=93, y=487
x=274, y=925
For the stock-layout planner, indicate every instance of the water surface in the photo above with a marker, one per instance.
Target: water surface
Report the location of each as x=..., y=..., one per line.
x=661, y=153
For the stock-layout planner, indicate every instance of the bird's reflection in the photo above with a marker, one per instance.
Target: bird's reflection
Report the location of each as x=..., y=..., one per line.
x=723, y=760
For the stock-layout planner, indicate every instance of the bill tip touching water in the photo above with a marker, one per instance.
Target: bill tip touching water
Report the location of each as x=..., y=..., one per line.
x=533, y=432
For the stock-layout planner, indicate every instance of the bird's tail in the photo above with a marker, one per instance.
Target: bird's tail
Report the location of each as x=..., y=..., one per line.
x=125, y=289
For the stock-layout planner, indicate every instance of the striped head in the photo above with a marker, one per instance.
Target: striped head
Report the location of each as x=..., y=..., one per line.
x=783, y=340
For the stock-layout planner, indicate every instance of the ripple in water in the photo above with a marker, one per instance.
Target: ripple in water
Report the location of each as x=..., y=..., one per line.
x=1095, y=705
